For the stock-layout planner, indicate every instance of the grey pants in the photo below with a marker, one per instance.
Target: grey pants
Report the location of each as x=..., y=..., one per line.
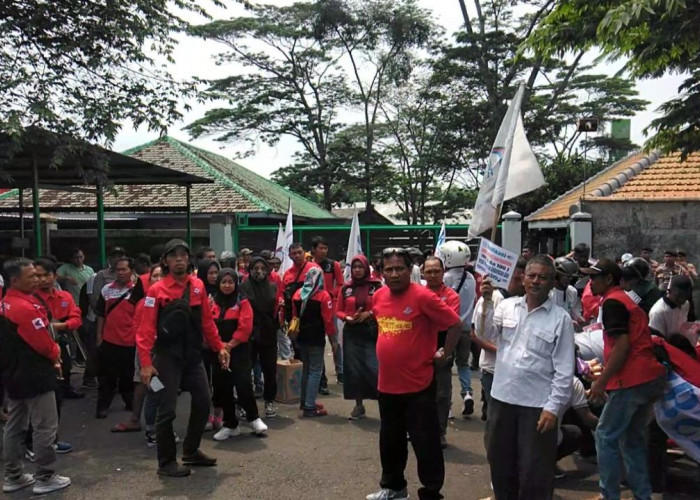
x=41, y=412
x=443, y=389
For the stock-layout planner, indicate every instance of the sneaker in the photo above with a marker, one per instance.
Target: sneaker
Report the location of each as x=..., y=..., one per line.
x=198, y=459
x=62, y=447
x=451, y=415
x=210, y=424
x=174, y=470
x=341, y=379
x=218, y=422
x=151, y=439
x=270, y=410
x=443, y=441
x=358, y=412
x=324, y=390
x=387, y=494
x=29, y=455
x=558, y=473
x=468, y=405
x=54, y=483
x=78, y=364
x=226, y=432
x=317, y=412
x=18, y=483
x=258, y=426
x=71, y=393
x=90, y=383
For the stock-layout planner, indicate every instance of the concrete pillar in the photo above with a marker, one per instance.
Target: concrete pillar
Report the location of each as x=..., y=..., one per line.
x=511, y=232
x=220, y=238
x=581, y=229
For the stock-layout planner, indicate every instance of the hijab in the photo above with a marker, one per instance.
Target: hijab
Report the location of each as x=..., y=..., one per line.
x=361, y=286
x=203, y=270
x=221, y=299
x=313, y=283
x=258, y=289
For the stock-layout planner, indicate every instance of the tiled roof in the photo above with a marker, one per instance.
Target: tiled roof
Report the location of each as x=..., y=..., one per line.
x=236, y=189
x=605, y=181
x=667, y=179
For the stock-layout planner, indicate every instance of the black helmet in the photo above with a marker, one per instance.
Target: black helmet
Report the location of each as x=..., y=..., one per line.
x=635, y=268
x=566, y=266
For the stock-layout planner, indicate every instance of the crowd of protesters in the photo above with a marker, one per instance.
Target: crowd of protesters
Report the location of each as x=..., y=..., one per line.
x=568, y=354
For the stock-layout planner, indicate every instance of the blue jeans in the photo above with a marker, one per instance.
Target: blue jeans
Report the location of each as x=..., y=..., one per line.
x=623, y=431
x=312, y=357
x=464, y=371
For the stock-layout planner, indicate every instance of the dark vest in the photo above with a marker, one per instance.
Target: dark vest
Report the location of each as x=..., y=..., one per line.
x=311, y=327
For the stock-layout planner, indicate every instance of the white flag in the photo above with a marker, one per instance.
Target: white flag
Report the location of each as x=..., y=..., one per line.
x=440, y=241
x=279, y=246
x=288, y=240
x=512, y=169
x=354, y=245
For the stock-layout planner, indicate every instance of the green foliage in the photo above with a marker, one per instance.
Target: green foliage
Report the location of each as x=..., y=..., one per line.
x=83, y=68
x=654, y=37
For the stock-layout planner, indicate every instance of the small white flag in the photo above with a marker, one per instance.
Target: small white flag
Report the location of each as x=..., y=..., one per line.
x=354, y=245
x=440, y=241
x=288, y=240
x=279, y=246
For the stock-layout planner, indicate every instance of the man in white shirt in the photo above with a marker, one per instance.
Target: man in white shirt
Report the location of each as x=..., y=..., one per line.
x=671, y=311
x=532, y=384
x=563, y=294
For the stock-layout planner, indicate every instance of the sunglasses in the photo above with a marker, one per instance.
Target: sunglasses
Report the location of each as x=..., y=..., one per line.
x=394, y=250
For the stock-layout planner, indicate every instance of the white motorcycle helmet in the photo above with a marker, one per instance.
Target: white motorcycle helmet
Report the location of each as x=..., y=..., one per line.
x=455, y=254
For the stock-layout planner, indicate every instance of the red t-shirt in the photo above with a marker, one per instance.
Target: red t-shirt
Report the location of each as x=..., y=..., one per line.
x=62, y=307
x=408, y=326
x=29, y=315
x=118, y=317
x=590, y=304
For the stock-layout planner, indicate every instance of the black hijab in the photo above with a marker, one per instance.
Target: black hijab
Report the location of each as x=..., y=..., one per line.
x=261, y=293
x=224, y=301
x=203, y=270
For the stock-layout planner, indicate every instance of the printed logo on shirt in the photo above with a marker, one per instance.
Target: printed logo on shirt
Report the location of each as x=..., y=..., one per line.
x=150, y=302
x=444, y=299
x=348, y=292
x=392, y=327
x=407, y=311
x=196, y=291
x=64, y=304
x=330, y=304
x=5, y=306
x=38, y=323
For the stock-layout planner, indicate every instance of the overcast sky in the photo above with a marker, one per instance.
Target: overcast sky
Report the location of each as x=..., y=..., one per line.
x=194, y=58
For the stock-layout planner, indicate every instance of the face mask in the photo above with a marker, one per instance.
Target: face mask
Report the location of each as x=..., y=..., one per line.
x=259, y=274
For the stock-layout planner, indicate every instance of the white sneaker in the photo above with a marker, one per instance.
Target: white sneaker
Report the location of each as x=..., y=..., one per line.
x=468, y=405
x=16, y=484
x=225, y=432
x=450, y=415
x=258, y=426
x=54, y=483
x=387, y=494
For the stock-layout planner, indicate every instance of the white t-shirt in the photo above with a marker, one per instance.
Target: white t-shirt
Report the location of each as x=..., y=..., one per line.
x=667, y=320
x=578, y=400
x=568, y=299
x=483, y=326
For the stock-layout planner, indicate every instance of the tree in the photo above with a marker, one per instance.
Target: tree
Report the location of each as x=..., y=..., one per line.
x=292, y=85
x=655, y=37
x=83, y=68
x=376, y=39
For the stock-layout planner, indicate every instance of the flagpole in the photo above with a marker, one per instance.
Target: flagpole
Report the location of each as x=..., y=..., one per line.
x=496, y=220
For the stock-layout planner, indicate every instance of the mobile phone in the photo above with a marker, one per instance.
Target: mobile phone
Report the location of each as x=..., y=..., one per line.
x=156, y=385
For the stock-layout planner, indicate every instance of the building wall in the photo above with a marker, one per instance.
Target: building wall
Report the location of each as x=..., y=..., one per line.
x=620, y=227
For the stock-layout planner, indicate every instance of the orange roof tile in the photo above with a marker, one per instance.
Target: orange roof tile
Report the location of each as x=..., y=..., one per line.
x=559, y=207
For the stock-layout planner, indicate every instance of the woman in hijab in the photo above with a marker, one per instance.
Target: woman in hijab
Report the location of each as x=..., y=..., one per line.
x=234, y=319
x=264, y=299
x=314, y=308
x=360, y=367
x=207, y=271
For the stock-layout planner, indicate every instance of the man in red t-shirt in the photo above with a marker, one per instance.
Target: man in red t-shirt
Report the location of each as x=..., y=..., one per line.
x=434, y=272
x=409, y=317
x=116, y=338
x=632, y=378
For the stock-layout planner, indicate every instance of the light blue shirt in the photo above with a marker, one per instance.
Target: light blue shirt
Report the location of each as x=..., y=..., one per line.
x=467, y=294
x=535, y=358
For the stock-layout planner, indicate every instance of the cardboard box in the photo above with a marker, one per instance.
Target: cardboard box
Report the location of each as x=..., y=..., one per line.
x=288, y=380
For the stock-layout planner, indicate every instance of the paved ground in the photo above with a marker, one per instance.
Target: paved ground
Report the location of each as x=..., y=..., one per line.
x=327, y=458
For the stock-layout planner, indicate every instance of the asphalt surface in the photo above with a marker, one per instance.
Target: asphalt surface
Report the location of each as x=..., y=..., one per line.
x=323, y=458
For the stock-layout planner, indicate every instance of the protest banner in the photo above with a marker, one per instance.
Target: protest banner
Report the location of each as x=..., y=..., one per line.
x=495, y=262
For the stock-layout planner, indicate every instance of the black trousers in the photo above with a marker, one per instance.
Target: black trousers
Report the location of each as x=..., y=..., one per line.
x=522, y=460
x=223, y=383
x=267, y=354
x=116, y=372
x=174, y=374
x=570, y=440
x=88, y=336
x=415, y=414
x=66, y=364
x=657, y=459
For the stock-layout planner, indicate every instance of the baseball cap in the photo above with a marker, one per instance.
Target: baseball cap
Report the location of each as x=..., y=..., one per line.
x=246, y=251
x=672, y=253
x=117, y=251
x=602, y=267
x=173, y=245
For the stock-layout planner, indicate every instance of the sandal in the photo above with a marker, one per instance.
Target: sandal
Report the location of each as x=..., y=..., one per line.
x=122, y=427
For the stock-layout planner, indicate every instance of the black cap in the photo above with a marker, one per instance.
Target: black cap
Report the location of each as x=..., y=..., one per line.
x=681, y=253
x=173, y=245
x=672, y=253
x=116, y=251
x=603, y=266
x=648, y=249
x=266, y=254
x=682, y=284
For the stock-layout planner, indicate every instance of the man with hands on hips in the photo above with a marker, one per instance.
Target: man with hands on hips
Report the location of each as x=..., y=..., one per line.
x=532, y=383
